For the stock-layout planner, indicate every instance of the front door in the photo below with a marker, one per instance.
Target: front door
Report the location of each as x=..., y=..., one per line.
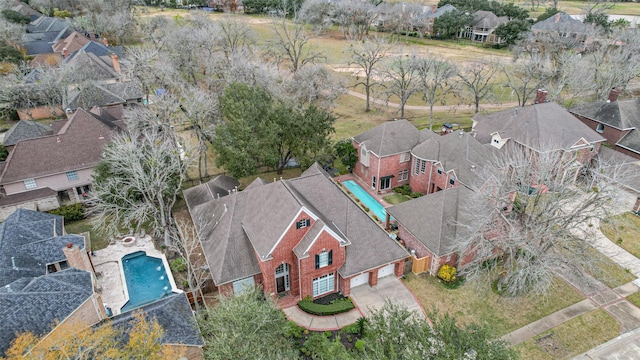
x=280, y=284
x=282, y=278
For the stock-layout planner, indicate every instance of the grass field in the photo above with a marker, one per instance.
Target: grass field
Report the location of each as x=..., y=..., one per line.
x=77, y=227
x=623, y=230
x=607, y=271
x=476, y=304
x=571, y=338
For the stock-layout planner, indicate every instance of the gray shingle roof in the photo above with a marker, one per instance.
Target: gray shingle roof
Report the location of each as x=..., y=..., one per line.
x=562, y=23
x=34, y=304
x=78, y=146
x=545, y=126
x=265, y=211
x=103, y=95
x=623, y=168
x=433, y=219
x=459, y=152
x=174, y=315
x=25, y=129
x=391, y=137
x=25, y=196
x=622, y=114
x=29, y=240
x=488, y=20
x=219, y=186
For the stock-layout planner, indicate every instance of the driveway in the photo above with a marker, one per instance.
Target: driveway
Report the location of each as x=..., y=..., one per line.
x=368, y=298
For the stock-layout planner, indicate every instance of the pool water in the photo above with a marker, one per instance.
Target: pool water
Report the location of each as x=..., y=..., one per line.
x=366, y=199
x=146, y=279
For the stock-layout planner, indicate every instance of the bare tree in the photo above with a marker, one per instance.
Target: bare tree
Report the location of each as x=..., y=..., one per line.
x=313, y=84
x=366, y=56
x=527, y=74
x=11, y=33
x=402, y=78
x=291, y=43
x=476, y=81
x=187, y=244
x=234, y=36
x=138, y=181
x=436, y=80
x=353, y=17
x=527, y=223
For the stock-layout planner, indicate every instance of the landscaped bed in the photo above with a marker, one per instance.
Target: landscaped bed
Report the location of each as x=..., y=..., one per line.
x=331, y=304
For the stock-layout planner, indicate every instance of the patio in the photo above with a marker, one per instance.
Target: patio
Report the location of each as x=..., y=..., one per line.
x=106, y=263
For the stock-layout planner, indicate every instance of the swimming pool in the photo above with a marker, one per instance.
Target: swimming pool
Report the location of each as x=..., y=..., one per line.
x=367, y=200
x=146, y=279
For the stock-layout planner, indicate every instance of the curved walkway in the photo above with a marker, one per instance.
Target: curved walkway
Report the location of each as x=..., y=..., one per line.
x=366, y=299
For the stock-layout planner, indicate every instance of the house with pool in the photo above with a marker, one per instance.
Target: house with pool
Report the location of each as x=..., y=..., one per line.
x=296, y=238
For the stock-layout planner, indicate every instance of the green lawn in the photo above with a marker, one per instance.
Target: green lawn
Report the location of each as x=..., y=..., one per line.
x=634, y=298
x=76, y=227
x=607, y=271
x=571, y=338
x=396, y=198
x=623, y=230
x=472, y=303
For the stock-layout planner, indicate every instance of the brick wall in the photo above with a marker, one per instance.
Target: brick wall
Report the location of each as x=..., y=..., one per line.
x=308, y=270
x=430, y=181
x=387, y=166
x=612, y=134
x=40, y=113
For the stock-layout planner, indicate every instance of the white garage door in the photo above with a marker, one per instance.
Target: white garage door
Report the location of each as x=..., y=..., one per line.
x=243, y=285
x=386, y=271
x=360, y=280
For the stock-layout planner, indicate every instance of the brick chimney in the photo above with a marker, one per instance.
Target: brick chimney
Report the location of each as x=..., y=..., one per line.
x=104, y=41
x=541, y=96
x=613, y=94
x=65, y=53
x=77, y=258
x=116, y=63
x=557, y=18
x=434, y=8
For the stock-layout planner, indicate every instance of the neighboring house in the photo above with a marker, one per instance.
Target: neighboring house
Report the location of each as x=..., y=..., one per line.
x=396, y=153
x=419, y=17
x=63, y=161
x=42, y=33
x=47, y=284
x=297, y=238
x=100, y=95
x=95, y=61
x=484, y=24
x=617, y=120
x=562, y=24
x=60, y=50
x=424, y=23
x=433, y=234
x=542, y=127
x=24, y=9
x=24, y=130
x=215, y=188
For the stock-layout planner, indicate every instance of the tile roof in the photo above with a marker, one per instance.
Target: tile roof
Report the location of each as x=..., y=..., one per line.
x=460, y=152
x=35, y=303
x=391, y=137
x=544, y=126
x=621, y=114
x=78, y=146
x=174, y=315
x=434, y=219
x=233, y=226
x=24, y=130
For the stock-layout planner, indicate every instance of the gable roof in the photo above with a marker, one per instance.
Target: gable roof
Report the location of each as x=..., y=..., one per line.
x=538, y=126
x=219, y=186
x=460, y=152
x=391, y=137
x=24, y=130
x=622, y=114
x=562, y=23
x=174, y=315
x=24, y=9
x=46, y=24
x=96, y=94
x=488, y=20
x=434, y=219
x=235, y=228
x=78, y=145
x=72, y=43
x=41, y=42
x=34, y=303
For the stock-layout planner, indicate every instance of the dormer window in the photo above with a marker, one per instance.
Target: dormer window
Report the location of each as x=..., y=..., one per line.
x=303, y=223
x=439, y=171
x=325, y=258
x=452, y=180
x=600, y=128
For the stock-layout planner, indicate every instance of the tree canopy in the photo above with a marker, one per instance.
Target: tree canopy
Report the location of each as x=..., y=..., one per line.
x=258, y=130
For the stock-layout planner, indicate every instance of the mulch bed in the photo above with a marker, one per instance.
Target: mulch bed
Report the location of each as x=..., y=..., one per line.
x=326, y=300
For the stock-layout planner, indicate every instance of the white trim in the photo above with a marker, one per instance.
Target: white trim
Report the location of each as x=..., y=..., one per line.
x=293, y=221
x=333, y=234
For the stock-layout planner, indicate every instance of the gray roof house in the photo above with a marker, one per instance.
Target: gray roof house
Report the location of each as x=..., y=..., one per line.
x=105, y=94
x=248, y=234
x=561, y=23
x=392, y=137
x=24, y=130
x=221, y=185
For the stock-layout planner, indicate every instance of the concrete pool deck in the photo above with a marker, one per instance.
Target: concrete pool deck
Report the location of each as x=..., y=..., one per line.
x=109, y=274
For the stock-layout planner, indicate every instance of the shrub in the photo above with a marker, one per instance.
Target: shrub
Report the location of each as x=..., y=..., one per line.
x=178, y=265
x=327, y=334
x=62, y=14
x=415, y=195
x=404, y=190
x=447, y=273
x=325, y=310
x=292, y=330
x=359, y=345
x=71, y=212
x=365, y=208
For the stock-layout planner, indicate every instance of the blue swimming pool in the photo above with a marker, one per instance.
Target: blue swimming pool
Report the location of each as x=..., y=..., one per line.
x=366, y=199
x=146, y=278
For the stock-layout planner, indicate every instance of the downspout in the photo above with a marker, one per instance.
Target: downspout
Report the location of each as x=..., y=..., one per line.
x=299, y=281
x=378, y=179
x=430, y=174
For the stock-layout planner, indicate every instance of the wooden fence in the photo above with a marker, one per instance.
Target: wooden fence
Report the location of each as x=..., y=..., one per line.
x=420, y=265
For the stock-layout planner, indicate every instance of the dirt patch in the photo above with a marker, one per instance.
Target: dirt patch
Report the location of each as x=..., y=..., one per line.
x=552, y=346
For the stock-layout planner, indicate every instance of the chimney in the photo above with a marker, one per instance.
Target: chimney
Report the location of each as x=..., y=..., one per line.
x=116, y=63
x=613, y=94
x=557, y=18
x=77, y=258
x=104, y=41
x=434, y=8
x=65, y=53
x=541, y=96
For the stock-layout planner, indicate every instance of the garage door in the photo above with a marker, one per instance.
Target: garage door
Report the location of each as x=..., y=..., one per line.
x=360, y=280
x=386, y=271
x=243, y=285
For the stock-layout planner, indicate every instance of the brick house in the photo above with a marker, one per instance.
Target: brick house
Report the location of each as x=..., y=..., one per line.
x=297, y=238
x=47, y=284
x=617, y=120
x=63, y=161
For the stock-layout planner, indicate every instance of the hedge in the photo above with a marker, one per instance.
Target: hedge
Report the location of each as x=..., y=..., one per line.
x=71, y=212
x=325, y=310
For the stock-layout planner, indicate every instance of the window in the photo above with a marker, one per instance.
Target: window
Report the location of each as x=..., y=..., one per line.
x=417, y=166
x=452, y=180
x=324, y=259
x=72, y=175
x=404, y=157
x=496, y=141
x=30, y=184
x=439, y=170
x=373, y=182
x=600, y=128
x=403, y=175
x=303, y=223
x=323, y=284
x=423, y=166
x=385, y=182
